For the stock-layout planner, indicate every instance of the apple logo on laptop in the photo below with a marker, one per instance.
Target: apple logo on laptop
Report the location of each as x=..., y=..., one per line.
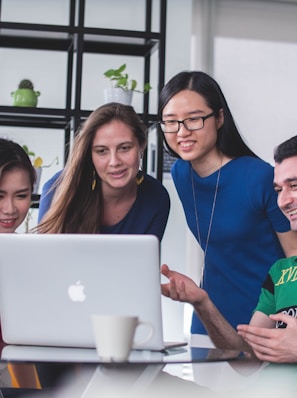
x=76, y=292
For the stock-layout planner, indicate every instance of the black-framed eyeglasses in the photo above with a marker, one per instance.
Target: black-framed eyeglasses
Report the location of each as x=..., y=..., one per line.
x=190, y=123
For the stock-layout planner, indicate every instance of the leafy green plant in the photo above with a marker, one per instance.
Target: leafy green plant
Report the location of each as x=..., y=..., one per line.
x=120, y=78
x=36, y=161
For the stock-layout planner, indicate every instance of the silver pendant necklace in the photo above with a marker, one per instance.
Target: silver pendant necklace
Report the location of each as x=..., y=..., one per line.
x=210, y=221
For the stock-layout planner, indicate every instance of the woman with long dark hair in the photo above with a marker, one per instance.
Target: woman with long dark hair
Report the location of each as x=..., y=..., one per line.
x=227, y=195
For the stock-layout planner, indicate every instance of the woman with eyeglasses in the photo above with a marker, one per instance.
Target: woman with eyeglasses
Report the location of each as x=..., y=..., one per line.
x=227, y=195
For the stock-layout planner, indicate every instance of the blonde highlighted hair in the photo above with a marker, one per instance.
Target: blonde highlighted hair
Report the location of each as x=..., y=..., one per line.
x=76, y=208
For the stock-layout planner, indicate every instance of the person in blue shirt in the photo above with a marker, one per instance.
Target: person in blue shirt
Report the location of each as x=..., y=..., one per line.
x=227, y=196
x=271, y=332
x=102, y=189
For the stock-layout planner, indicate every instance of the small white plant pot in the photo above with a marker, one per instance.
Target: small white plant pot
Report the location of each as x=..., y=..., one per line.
x=116, y=94
x=38, y=177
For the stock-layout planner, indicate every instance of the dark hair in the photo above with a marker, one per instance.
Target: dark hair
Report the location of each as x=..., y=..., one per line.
x=229, y=140
x=13, y=156
x=285, y=150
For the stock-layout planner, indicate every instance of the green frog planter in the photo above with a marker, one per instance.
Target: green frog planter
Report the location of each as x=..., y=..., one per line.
x=25, y=94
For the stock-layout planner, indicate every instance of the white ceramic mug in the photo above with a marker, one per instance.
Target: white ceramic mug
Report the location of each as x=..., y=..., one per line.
x=114, y=335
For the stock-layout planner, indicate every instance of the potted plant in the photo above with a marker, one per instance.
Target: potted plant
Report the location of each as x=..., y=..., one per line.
x=25, y=94
x=122, y=86
x=37, y=163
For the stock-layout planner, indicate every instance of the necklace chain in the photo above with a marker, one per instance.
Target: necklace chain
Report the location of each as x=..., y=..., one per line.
x=210, y=220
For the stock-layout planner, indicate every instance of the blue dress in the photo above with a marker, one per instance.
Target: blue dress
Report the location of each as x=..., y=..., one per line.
x=242, y=244
x=148, y=215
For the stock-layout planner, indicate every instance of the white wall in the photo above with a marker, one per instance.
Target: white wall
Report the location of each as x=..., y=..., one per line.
x=252, y=48
x=178, y=58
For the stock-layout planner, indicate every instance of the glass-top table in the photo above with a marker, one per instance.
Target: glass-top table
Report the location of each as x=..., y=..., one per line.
x=87, y=374
x=184, y=354
x=79, y=373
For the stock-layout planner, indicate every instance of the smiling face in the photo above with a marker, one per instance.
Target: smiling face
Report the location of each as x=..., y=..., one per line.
x=285, y=184
x=15, y=199
x=198, y=145
x=116, y=155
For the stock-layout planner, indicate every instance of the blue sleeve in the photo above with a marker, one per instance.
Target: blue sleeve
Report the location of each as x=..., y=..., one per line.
x=47, y=194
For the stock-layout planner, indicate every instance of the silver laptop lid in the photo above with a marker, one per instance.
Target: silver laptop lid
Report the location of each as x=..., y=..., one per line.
x=51, y=284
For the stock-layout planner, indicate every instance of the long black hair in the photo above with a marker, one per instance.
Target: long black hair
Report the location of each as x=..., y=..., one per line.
x=229, y=140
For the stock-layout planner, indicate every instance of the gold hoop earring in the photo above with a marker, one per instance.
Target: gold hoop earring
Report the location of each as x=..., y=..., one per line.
x=139, y=178
x=94, y=181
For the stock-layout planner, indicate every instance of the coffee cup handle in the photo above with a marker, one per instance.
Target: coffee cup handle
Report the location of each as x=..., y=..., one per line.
x=139, y=344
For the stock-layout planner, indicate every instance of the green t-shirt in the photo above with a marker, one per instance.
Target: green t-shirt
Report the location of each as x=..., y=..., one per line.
x=279, y=291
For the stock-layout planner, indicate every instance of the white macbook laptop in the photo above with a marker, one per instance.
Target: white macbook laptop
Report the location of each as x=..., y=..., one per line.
x=51, y=284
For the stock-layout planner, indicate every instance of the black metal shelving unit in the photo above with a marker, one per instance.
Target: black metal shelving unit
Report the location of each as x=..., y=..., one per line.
x=76, y=39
